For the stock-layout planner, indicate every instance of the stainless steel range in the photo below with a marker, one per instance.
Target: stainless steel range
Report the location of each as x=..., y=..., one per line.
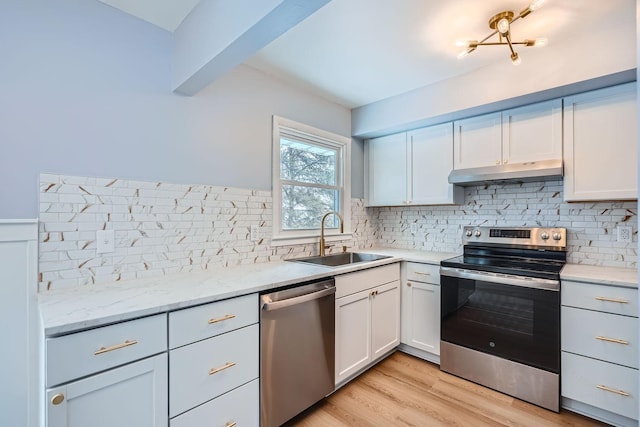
x=501, y=311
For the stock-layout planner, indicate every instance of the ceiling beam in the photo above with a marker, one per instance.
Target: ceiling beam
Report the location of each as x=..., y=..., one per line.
x=218, y=35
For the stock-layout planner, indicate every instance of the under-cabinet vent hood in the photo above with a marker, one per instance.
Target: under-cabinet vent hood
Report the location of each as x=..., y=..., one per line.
x=517, y=172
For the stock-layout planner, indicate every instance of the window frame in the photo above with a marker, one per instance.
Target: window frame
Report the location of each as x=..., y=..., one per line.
x=309, y=134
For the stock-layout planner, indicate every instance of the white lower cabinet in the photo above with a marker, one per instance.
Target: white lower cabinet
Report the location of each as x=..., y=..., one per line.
x=134, y=395
x=367, y=318
x=108, y=376
x=239, y=407
x=599, y=343
x=421, y=309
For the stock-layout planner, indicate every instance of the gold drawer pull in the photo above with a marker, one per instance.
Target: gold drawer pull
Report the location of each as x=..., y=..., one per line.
x=222, y=319
x=422, y=274
x=612, y=390
x=222, y=368
x=621, y=301
x=116, y=347
x=616, y=340
x=57, y=399
x=230, y=424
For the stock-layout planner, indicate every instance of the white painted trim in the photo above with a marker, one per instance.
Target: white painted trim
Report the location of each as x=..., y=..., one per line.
x=18, y=230
x=344, y=143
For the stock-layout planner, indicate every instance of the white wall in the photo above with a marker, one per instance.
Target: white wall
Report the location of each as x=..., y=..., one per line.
x=604, y=51
x=86, y=90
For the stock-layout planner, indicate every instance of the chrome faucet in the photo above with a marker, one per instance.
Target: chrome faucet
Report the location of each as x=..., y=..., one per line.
x=322, y=243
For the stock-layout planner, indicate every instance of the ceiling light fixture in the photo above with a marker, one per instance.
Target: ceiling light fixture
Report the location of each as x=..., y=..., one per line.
x=501, y=25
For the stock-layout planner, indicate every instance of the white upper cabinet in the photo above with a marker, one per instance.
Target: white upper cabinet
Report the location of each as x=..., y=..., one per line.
x=477, y=141
x=532, y=133
x=431, y=161
x=600, y=145
x=412, y=168
x=525, y=134
x=388, y=170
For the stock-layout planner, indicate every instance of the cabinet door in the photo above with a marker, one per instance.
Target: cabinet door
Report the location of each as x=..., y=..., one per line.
x=421, y=314
x=532, y=133
x=387, y=170
x=385, y=319
x=477, y=141
x=133, y=395
x=431, y=162
x=353, y=333
x=600, y=145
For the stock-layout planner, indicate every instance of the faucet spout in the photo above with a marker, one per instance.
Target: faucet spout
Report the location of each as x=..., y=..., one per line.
x=322, y=242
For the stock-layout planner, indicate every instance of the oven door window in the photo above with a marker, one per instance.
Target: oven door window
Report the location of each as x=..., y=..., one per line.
x=517, y=323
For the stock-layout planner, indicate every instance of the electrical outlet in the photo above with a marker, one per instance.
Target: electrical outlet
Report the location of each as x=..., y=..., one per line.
x=414, y=228
x=624, y=234
x=105, y=241
x=254, y=233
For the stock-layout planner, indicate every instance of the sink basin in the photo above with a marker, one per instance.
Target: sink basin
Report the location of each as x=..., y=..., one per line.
x=337, y=260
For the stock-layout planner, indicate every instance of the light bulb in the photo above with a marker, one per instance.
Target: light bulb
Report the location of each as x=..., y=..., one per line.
x=515, y=58
x=536, y=4
x=540, y=42
x=464, y=53
x=462, y=43
x=503, y=26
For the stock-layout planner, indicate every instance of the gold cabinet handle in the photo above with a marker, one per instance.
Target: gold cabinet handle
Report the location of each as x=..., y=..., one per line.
x=222, y=319
x=615, y=340
x=409, y=284
x=612, y=390
x=621, y=301
x=116, y=347
x=57, y=399
x=422, y=274
x=222, y=368
x=230, y=424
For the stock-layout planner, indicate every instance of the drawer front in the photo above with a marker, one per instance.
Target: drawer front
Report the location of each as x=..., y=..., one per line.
x=239, y=407
x=204, y=370
x=347, y=284
x=426, y=273
x=609, y=299
x=600, y=384
x=603, y=336
x=83, y=353
x=205, y=321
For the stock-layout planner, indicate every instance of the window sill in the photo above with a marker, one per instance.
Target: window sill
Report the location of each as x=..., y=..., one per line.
x=308, y=239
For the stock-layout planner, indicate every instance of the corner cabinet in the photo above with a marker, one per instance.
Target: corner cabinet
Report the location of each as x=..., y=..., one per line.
x=367, y=318
x=600, y=145
x=412, y=168
x=525, y=134
x=421, y=311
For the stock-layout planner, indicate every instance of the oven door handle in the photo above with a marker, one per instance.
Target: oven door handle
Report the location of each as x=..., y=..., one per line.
x=506, y=279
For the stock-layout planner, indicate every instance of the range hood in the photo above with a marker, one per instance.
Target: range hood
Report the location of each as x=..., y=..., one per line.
x=517, y=172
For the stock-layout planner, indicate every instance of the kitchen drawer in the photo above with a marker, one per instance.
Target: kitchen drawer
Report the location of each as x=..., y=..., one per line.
x=204, y=370
x=610, y=299
x=581, y=377
x=603, y=336
x=83, y=353
x=426, y=273
x=239, y=407
x=205, y=321
x=347, y=284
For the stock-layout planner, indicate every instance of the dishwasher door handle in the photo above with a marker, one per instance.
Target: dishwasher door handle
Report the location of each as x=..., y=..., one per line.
x=268, y=305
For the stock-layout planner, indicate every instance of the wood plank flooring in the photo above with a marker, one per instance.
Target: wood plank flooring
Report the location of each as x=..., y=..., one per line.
x=403, y=390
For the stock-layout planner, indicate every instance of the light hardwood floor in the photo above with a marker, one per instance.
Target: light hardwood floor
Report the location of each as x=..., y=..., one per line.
x=403, y=390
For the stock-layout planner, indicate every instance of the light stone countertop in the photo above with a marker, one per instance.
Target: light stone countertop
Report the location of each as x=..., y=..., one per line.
x=70, y=310
x=626, y=277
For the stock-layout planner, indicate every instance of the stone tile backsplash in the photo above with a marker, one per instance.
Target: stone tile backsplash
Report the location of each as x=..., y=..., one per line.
x=165, y=228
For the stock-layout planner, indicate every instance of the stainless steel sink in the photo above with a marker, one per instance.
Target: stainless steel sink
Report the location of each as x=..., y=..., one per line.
x=340, y=259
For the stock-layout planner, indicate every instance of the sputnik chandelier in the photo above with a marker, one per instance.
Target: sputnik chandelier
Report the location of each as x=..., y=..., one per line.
x=501, y=25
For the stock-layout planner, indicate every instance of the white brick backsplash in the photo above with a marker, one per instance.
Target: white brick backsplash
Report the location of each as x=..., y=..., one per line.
x=168, y=228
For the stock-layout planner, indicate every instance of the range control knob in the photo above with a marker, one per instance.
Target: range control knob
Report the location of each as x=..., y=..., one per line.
x=544, y=235
x=468, y=233
x=556, y=236
x=478, y=233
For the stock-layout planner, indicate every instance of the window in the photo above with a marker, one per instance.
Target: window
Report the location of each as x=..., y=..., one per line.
x=310, y=178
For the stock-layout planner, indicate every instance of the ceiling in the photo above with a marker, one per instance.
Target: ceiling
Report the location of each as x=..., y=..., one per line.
x=355, y=52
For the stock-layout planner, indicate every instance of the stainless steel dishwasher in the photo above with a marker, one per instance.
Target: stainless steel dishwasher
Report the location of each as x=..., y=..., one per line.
x=297, y=347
